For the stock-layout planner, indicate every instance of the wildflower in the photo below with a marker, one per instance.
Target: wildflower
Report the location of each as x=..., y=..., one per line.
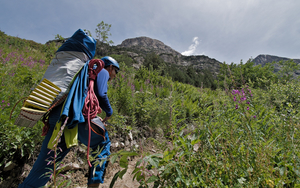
x=254, y=116
x=248, y=102
x=234, y=98
x=8, y=104
x=132, y=87
x=236, y=106
x=3, y=101
x=42, y=61
x=247, y=107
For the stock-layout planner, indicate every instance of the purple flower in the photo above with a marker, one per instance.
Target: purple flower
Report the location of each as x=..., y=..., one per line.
x=234, y=98
x=3, y=101
x=8, y=104
x=132, y=87
x=236, y=91
x=236, y=106
x=247, y=107
x=254, y=116
x=248, y=102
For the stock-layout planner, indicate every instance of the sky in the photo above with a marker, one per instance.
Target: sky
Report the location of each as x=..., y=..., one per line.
x=229, y=31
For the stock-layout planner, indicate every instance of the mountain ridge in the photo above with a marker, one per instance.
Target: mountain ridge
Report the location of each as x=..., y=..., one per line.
x=139, y=46
x=262, y=59
x=170, y=55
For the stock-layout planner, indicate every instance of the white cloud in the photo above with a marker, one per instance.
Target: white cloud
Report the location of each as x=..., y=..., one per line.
x=192, y=47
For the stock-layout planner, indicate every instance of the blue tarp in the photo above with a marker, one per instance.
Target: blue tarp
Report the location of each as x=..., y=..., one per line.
x=75, y=100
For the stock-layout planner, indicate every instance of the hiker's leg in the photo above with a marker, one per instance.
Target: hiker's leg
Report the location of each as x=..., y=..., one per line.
x=37, y=176
x=96, y=140
x=99, y=171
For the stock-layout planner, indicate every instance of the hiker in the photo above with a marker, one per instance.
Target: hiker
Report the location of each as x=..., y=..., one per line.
x=39, y=174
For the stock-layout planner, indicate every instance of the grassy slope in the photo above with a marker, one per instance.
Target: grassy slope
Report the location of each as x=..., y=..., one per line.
x=242, y=137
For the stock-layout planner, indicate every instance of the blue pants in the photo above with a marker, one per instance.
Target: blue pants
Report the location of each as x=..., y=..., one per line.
x=37, y=178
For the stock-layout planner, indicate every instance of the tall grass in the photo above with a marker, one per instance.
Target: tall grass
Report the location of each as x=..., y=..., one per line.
x=237, y=137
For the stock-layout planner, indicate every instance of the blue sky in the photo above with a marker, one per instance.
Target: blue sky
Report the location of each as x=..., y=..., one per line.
x=226, y=30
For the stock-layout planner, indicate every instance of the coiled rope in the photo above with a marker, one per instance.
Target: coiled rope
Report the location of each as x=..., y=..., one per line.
x=91, y=104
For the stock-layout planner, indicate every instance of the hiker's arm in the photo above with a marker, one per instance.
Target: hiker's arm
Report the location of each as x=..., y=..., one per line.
x=101, y=93
x=105, y=105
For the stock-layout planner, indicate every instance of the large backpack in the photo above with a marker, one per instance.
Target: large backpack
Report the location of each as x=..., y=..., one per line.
x=58, y=78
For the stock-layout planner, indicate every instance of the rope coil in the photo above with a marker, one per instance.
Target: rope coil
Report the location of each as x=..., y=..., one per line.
x=91, y=104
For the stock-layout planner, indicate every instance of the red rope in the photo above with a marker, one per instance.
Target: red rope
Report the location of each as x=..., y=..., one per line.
x=91, y=104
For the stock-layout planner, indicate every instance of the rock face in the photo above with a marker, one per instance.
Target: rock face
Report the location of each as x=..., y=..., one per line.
x=263, y=59
x=148, y=45
x=137, y=48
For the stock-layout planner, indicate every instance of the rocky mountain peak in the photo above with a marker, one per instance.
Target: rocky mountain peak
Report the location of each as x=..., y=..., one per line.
x=138, y=47
x=148, y=44
x=262, y=59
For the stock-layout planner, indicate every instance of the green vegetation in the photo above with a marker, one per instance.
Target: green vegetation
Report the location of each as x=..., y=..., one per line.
x=183, y=74
x=22, y=65
x=240, y=131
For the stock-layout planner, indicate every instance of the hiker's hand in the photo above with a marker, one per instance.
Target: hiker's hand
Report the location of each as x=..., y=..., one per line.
x=105, y=119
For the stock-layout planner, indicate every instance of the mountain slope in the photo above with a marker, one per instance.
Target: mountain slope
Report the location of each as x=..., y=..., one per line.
x=263, y=59
x=138, y=47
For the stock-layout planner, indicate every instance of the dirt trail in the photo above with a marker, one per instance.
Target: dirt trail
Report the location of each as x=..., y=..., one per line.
x=126, y=181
